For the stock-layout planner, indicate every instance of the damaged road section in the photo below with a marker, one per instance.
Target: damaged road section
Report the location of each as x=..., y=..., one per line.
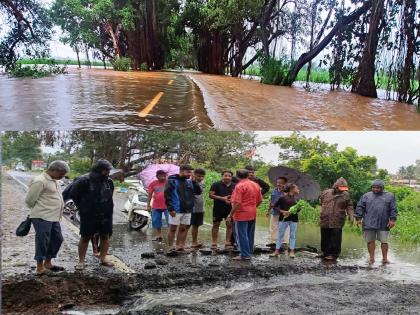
x=261, y=287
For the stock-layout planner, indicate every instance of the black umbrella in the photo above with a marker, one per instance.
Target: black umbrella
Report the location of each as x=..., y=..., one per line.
x=309, y=188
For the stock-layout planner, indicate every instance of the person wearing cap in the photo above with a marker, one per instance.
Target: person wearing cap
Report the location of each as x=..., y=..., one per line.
x=377, y=212
x=155, y=191
x=93, y=196
x=336, y=204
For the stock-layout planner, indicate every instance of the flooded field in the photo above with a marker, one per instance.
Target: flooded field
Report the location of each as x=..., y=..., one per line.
x=104, y=99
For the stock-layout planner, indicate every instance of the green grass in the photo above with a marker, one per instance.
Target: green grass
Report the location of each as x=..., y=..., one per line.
x=43, y=61
x=319, y=75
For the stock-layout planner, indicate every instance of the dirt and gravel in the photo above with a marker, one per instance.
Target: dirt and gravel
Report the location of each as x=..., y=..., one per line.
x=191, y=283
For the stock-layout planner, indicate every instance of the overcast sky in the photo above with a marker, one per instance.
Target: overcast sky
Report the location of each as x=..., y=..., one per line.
x=392, y=149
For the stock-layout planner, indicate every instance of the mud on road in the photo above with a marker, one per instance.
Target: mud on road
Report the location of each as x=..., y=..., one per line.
x=301, y=286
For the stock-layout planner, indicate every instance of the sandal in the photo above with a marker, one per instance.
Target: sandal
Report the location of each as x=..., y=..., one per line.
x=107, y=263
x=213, y=247
x=46, y=272
x=172, y=253
x=56, y=268
x=196, y=246
x=158, y=239
x=80, y=266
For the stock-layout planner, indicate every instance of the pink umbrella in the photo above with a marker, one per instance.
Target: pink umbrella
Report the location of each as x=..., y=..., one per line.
x=149, y=173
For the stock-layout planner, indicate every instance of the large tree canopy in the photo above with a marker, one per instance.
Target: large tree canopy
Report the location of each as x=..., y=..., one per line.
x=26, y=31
x=132, y=150
x=326, y=163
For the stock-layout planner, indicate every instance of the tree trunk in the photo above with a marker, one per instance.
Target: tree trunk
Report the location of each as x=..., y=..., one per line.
x=364, y=83
x=311, y=43
x=115, y=38
x=78, y=57
x=408, y=70
x=88, y=58
x=310, y=55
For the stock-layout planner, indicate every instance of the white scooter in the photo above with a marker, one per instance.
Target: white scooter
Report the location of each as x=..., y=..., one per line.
x=136, y=206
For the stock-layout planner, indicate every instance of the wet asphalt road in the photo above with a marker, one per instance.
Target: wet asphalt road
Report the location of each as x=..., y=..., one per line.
x=98, y=99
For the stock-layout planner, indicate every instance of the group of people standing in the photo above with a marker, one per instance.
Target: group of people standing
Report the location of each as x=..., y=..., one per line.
x=180, y=199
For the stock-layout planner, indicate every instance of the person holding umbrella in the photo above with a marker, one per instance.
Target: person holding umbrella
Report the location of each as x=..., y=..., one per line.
x=286, y=219
x=155, y=191
x=335, y=205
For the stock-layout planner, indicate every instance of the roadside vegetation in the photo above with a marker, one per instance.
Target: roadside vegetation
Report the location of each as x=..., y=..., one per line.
x=277, y=39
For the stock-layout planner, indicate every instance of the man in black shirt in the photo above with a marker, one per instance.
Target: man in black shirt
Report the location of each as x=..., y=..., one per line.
x=251, y=175
x=221, y=192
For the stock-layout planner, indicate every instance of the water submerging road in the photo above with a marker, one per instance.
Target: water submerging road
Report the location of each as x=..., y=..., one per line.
x=102, y=99
x=235, y=103
x=106, y=99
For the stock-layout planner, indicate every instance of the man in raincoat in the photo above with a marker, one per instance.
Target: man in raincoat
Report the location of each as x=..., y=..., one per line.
x=336, y=204
x=377, y=211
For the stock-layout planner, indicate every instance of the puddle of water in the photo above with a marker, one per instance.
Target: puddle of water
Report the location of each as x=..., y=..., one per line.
x=91, y=311
x=189, y=296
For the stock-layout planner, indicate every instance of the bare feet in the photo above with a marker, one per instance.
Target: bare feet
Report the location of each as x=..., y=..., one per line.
x=371, y=261
x=385, y=261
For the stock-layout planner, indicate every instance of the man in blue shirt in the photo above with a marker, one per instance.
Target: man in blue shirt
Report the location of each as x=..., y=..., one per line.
x=274, y=213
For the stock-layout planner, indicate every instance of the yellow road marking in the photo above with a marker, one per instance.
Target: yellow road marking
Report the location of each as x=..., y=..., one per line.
x=152, y=104
x=170, y=82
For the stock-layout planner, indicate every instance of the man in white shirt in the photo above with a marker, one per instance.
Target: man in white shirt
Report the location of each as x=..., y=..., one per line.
x=45, y=200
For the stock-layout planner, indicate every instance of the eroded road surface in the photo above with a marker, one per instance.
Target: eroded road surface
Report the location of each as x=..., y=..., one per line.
x=109, y=100
x=197, y=283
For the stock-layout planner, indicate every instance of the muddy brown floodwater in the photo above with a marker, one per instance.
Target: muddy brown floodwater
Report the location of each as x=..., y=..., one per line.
x=235, y=103
x=105, y=99
x=101, y=99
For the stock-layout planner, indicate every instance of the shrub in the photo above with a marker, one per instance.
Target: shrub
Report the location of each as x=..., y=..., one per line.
x=79, y=166
x=143, y=67
x=122, y=64
x=274, y=71
x=37, y=71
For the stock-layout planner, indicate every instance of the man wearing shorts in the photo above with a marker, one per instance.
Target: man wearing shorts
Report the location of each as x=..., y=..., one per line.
x=221, y=192
x=180, y=191
x=155, y=191
x=377, y=211
x=197, y=216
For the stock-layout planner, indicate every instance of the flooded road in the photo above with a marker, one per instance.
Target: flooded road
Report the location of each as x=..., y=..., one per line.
x=234, y=103
x=105, y=99
x=102, y=99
